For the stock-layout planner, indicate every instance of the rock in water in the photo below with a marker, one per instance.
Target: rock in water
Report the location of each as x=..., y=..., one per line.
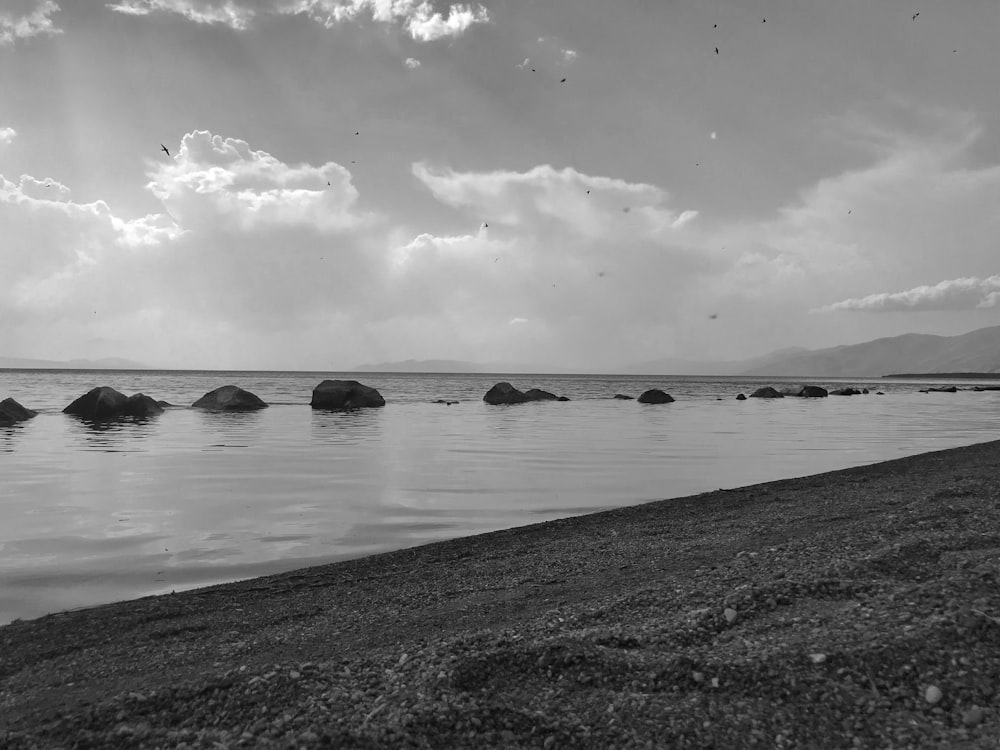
x=767, y=392
x=11, y=412
x=813, y=391
x=99, y=403
x=229, y=398
x=655, y=396
x=623, y=397
x=504, y=393
x=345, y=394
x=537, y=394
x=140, y=405
x=740, y=397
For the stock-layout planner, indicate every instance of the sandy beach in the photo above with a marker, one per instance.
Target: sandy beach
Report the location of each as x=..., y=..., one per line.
x=859, y=608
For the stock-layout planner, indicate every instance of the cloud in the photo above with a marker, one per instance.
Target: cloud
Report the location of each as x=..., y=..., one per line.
x=225, y=12
x=568, y=55
x=412, y=63
x=7, y=135
x=421, y=21
x=578, y=203
x=220, y=181
x=27, y=19
x=954, y=294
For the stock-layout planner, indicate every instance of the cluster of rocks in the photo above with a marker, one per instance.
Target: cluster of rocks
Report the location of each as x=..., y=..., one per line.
x=505, y=393
x=803, y=391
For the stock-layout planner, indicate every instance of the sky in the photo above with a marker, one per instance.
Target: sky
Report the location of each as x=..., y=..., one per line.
x=568, y=184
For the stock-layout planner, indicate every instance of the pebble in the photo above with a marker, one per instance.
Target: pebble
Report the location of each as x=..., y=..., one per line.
x=817, y=658
x=730, y=614
x=973, y=716
x=933, y=694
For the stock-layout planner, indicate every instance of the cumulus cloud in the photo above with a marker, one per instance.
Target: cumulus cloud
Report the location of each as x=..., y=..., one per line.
x=953, y=294
x=412, y=63
x=7, y=135
x=418, y=17
x=23, y=19
x=212, y=179
x=579, y=203
x=229, y=13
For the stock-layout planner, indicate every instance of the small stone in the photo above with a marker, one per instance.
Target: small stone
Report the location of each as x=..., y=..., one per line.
x=698, y=676
x=972, y=717
x=730, y=614
x=549, y=741
x=294, y=675
x=933, y=694
x=817, y=658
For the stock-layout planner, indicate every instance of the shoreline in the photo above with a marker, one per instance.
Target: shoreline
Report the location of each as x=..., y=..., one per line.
x=816, y=611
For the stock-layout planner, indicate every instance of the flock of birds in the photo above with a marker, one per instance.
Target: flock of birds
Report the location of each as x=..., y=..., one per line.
x=525, y=64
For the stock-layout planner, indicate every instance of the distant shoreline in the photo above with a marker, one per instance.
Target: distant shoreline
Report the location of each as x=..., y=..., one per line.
x=946, y=375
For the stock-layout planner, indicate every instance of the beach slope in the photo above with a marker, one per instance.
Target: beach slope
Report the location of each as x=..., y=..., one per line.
x=859, y=608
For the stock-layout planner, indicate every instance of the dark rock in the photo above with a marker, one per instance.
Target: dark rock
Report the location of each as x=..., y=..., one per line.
x=879, y=393
x=537, y=394
x=142, y=406
x=99, y=403
x=12, y=412
x=846, y=392
x=947, y=389
x=345, y=394
x=813, y=391
x=623, y=397
x=767, y=392
x=986, y=388
x=740, y=397
x=165, y=405
x=229, y=398
x=563, y=398
x=655, y=396
x=504, y=393
x=445, y=402
x=864, y=390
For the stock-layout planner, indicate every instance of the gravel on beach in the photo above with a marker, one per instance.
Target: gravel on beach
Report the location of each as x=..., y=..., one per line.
x=854, y=609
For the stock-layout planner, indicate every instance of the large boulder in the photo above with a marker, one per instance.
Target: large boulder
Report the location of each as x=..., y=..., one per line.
x=12, y=412
x=813, y=391
x=107, y=403
x=846, y=392
x=655, y=396
x=102, y=402
x=345, y=394
x=767, y=392
x=229, y=398
x=504, y=393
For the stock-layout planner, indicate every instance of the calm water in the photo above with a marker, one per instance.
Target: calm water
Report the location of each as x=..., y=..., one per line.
x=91, y=514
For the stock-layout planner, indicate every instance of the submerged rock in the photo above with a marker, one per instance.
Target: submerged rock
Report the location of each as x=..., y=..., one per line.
x=812, y=391
x=946, y=389
x=12, y=412
x=141, y=405
x=623, y=397
x=345, y=394
x=767, y=392
x=229, y=398
x=505, y=393
x=655, y=396
x=846, y=392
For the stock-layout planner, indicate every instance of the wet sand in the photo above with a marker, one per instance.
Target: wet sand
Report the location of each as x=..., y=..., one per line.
x=858, y=608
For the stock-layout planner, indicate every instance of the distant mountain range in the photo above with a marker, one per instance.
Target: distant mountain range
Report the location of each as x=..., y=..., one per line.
x=106, y=363
x=974, y=352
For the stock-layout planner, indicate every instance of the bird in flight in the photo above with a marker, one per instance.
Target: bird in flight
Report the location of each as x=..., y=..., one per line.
x=588, y=192
x=563, y=81
x=914, y=16
x=716, y=50
x=713, y=316
x=485, y=225
x=164, y=149
x=357, y=132
x=763, y=20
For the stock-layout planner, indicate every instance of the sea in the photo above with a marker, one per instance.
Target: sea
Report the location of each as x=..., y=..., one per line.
x=94, y=513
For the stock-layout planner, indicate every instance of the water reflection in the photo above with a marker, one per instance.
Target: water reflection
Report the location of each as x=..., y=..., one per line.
x=231, y=429
x=346, y=427
x=111, y=435
x=8, y=437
